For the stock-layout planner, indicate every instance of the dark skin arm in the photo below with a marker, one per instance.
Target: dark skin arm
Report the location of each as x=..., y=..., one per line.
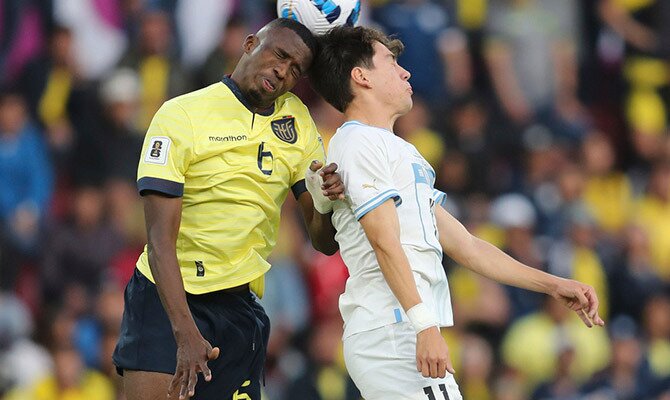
x=319, y=226
x=163, y=216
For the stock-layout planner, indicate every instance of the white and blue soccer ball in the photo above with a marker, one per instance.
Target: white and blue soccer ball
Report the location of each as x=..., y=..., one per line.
x=320, y=15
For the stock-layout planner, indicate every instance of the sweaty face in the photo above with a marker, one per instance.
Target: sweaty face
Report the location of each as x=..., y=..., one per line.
x=276, y=61
x=390, y=80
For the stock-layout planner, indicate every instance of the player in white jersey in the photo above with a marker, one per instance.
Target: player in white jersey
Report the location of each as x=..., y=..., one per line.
x=392, y=230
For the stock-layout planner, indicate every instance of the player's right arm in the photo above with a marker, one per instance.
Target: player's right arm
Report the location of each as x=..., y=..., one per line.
x=163, y=216
x=166, y=156
x=382, y=229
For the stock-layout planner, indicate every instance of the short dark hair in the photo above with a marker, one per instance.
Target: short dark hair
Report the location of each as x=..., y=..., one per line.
x=340, y=50
x=301, y=30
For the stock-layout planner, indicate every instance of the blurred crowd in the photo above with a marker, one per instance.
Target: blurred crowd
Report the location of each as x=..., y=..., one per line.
x=547, y=122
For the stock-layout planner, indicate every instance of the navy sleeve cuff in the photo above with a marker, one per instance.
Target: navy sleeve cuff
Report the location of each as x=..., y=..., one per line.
x=170, y=188
x=299, y=188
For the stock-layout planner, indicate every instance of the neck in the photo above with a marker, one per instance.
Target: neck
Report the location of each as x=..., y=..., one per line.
x=251, y=101
x=371, y=114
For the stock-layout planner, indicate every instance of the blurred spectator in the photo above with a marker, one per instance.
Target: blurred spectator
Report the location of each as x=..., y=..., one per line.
x=26, y=177
x=471, y=132
x=22, y=29
x=414, y=127
x=93, y=23
x=531, y=51
x=221, y=60
x=516, y=216
x=656, y=371
x=435, y=48
x=652, y=213
x=476, y=368
x=71, y=380
x=22, y=361
x=570, y=184
x=324, y=377
x=644, y=28
x=608, y=192
x=633, y=278
x=562, y=385
x=575, y=256
x=79, y=251
x=532, y=344
x=199, y=25
x=51, y=84
x=154, y=60
x=620, y=380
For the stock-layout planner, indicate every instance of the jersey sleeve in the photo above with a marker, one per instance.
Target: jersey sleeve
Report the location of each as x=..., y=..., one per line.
x=365, y=168
x=313, y=151
x=167, y=152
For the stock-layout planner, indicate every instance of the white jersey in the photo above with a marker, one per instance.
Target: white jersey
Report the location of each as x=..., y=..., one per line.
x=376, y=165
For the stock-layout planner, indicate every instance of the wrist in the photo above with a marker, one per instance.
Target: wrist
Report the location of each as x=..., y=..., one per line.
x=421, y=318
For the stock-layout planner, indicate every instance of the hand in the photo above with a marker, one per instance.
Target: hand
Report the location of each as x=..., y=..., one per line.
x=432, y=354
x=193, y=352
x=332, y=186
x=580, y=298
x=324, y=185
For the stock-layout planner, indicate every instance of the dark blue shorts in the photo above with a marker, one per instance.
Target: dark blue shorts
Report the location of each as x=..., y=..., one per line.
x=233, y=321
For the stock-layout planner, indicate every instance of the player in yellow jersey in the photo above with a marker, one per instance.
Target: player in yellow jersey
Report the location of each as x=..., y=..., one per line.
x=216, y=166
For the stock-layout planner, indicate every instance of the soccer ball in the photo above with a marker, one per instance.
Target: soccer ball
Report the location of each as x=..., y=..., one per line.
x=320, y=15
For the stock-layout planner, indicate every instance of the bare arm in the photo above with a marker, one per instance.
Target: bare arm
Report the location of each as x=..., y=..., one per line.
x=487, y=260
x=320, y=226
x=163, y=216
x=382, y=229
x=630, y=30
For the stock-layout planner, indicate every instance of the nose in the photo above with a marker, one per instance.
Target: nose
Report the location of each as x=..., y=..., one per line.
x=404, y=74
x=281, y=69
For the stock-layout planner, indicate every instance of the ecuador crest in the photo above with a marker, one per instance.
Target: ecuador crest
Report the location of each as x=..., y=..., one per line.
x=284, y=129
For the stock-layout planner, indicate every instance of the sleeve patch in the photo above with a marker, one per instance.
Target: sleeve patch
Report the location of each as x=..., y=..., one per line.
x=157, y=152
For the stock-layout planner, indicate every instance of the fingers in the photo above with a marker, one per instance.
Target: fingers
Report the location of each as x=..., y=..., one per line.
x=315, y=165
x=331, y=180
x=213, y=354
x=192, y=380
x=585, y=318
x=329, y=169
x=594, y=304
x=176, y=383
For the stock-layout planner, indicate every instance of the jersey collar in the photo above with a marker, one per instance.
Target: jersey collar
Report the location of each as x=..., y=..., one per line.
x=238, y=93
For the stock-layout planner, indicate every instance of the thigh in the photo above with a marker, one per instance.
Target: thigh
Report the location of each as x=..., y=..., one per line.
x=382, y=363
x=143, y=385
x=240, y=328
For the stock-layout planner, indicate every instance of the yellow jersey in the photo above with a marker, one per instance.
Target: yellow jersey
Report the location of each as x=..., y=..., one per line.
x=233, y=169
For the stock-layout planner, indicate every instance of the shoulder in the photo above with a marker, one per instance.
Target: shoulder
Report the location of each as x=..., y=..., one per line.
x=289, y=102
x=199, y=99
x=357, y=137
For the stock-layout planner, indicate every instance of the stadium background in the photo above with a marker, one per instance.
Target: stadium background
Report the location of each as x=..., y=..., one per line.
x=547, y=121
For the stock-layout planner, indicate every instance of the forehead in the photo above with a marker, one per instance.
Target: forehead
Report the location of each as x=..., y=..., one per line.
x=287, y=40
x=381, y=51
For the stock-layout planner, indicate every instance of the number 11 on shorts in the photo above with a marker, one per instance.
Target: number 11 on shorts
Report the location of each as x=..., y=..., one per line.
x=428, y=390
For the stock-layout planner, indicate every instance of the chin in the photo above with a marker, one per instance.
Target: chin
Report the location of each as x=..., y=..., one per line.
x=407, y=106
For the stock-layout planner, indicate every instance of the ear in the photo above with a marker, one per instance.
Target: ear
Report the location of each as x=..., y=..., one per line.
x=360, y=77
x=250, y=43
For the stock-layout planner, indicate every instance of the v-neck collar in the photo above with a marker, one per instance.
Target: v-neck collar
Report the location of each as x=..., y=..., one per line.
x=240, y=96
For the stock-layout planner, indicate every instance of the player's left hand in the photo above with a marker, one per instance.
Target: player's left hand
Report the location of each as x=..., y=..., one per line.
x=580, y=298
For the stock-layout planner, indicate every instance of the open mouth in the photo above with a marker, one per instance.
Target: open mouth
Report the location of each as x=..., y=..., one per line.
x=268, y=85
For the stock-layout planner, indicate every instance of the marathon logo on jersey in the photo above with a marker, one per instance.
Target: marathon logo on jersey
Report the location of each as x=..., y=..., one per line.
x=284, y=129
x=158, y=149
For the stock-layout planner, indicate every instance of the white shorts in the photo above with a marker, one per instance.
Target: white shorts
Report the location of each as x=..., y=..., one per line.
x=382, y=363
